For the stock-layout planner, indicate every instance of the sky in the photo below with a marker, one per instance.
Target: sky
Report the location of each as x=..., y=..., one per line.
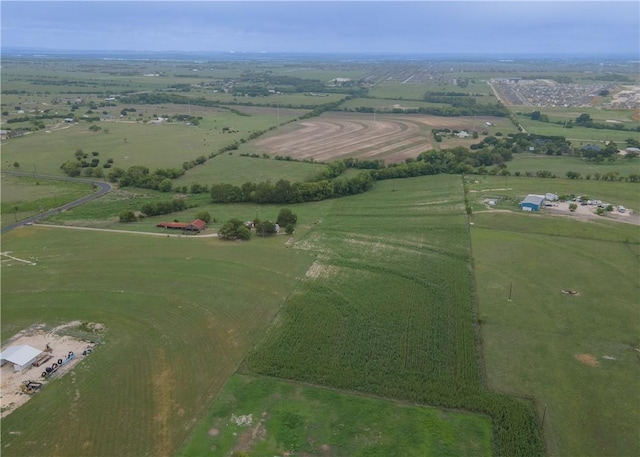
x=378, y=27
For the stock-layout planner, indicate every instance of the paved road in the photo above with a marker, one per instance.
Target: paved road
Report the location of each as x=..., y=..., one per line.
x=102, y=189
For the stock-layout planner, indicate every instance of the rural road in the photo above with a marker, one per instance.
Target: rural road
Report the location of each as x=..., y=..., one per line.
x=103, y=188
x=95, y=229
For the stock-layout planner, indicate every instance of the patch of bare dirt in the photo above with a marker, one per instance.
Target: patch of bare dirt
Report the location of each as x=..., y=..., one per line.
x=214, y=432
x=248, y=438
x=391, y=138
x=319, y=270
x=587, y=359
x=11, y=394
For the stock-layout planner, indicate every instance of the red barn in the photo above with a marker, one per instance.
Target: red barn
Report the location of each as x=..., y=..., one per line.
x=194, y=226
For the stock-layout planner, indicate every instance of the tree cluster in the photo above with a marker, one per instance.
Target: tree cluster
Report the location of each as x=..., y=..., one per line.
x=163, y=207
x=234, y=229
x=285, y=192
x=140, y=176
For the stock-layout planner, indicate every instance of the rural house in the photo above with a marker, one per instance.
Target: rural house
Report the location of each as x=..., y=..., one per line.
x=532, y=202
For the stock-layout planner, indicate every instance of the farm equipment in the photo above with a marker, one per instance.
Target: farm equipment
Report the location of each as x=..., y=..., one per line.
x=69, y=358
x=44, y=358
x=30, y=387
x=56, y=366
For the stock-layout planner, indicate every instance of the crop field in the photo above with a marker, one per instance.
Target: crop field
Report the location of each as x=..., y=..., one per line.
x=387, y=309
x=392, y=138
x=263, y=416
x=179, y=316
x=576, y=354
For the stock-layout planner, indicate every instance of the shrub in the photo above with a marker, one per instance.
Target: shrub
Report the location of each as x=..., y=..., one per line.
x=127, y=216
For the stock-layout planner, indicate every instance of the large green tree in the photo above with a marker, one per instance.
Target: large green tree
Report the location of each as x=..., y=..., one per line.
x=286, y=217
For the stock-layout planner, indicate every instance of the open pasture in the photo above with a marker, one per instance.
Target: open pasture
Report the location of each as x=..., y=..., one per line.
x=577, y=135
x=179, y=316
x=576, y=354
x=560, y=165
x=23, y=197
x=392, y=138
x=130, y=142
x=234, y=169
x=263, y=416
x=515, y=188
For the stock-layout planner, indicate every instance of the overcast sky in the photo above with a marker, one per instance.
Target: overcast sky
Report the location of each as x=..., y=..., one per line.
x=424, y=27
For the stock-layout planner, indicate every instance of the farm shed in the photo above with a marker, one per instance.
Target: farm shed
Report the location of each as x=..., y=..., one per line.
x=21, y=356
x=194, y=226
x=532, y=202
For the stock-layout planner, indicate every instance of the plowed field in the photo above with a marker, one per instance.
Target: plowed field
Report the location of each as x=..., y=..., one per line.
x=392, y=138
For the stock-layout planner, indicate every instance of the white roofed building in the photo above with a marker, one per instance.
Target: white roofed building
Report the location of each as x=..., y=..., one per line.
x=20, y=356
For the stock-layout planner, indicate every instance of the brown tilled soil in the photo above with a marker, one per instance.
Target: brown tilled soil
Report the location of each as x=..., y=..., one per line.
x=392, y=138
x=587, y=359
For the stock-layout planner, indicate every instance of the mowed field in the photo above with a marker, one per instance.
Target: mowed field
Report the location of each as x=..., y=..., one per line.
x=392, y=138
x=576, y=354
x=180, y=314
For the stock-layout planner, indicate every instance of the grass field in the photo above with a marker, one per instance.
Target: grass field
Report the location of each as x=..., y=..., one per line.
x=180, y=314
x=304, y=420
x=134, y=143
x=23, y=197
x=235, y=169
x=560, y=165
x=577, y=135
x=514, y=189
x=574, y=354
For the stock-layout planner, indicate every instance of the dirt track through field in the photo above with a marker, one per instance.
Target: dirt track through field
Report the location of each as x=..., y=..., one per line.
x=392, y=138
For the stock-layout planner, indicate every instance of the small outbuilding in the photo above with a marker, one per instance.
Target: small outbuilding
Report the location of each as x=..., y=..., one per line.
x=21, y=356
x=532, y=202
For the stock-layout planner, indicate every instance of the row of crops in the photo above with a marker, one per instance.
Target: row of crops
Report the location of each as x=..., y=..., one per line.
x=389, y=309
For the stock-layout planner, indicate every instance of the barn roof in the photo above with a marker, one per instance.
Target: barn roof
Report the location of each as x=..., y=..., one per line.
x=177, y=225
x=20, y=355
x=534, y=199
x=199, y=224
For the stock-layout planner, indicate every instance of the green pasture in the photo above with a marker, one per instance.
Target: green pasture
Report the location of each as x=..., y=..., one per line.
x=413, y=91
x=304, y=420
x=131, y=142
x=387, y=104
x=516, y=188
x=23, y=197
x=598, y=114
x=282, y=100
x=180, y=314
x=576, y=134
x=574, y=354
x=235, y=169
x=560, y=165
